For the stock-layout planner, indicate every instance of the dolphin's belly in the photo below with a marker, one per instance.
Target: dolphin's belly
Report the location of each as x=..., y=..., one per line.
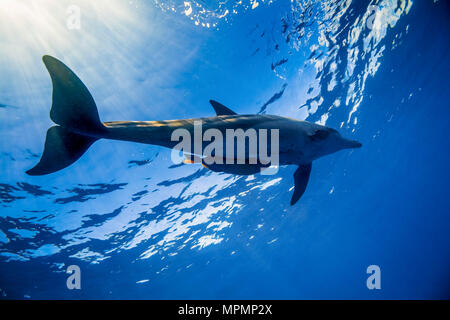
x=246, y=132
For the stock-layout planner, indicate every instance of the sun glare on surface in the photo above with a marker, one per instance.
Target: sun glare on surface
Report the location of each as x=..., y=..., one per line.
x=36, y=27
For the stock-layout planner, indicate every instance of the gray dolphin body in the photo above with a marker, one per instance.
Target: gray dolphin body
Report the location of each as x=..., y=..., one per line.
x=79, y=126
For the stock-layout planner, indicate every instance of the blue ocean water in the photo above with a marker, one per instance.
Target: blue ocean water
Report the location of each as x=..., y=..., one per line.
x=140, y=227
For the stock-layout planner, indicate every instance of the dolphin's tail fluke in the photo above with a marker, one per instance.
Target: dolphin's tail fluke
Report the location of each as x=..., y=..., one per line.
x=74, y=110
x=62, y=148
x=72, y=105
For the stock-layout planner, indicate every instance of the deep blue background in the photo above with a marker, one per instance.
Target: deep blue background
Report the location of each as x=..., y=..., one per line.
x=385, y=204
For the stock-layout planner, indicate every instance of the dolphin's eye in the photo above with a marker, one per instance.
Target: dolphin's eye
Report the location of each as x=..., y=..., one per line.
x=319, y=135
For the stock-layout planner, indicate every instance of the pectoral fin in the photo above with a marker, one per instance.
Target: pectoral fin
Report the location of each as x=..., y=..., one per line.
x=301, y=177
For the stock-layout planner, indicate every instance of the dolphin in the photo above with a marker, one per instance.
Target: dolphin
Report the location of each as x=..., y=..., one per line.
x=78, y=126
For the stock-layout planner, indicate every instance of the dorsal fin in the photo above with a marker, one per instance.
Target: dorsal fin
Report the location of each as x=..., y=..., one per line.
x=220, y=109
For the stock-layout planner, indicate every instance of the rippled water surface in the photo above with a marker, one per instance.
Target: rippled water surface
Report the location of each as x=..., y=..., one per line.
x=139, y=226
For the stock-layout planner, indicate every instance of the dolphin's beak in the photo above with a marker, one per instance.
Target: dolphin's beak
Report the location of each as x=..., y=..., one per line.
x=351, y=144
